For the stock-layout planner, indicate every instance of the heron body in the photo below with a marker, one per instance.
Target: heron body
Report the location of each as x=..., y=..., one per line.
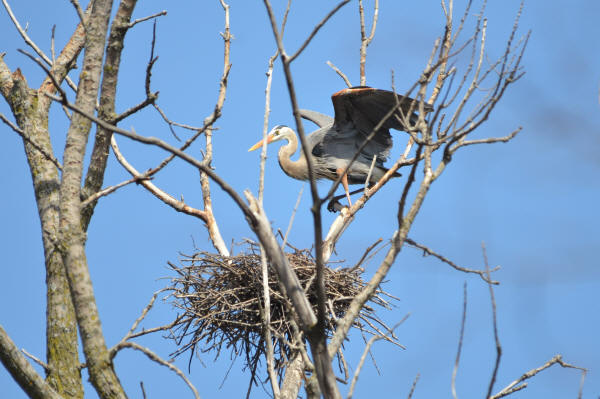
x=358, y=111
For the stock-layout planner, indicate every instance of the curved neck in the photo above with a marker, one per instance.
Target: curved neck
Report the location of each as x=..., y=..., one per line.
x=296, y=169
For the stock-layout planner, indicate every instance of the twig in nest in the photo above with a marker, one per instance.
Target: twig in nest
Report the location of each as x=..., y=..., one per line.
x=221, y=301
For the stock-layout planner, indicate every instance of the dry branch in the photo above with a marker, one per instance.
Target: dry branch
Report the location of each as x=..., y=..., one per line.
x=142, y=178
x=514, y=386
x=428, y=251
x=23, y=372
x=460, y=341
x=26, y=138
x=364, y=39
x=340, y=73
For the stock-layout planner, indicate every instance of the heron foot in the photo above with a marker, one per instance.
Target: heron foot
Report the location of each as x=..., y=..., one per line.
x=334, y=206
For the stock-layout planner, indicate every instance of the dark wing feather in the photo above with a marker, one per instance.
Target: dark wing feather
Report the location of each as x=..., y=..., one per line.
x=365, y=107
x=357, y=111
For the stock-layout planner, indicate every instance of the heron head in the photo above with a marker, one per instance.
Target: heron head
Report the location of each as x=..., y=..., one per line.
x=279, y=132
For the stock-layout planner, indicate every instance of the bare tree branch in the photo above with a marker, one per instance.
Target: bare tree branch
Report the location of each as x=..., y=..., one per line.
x=514, y=386
x=414, y=385
x=137, y=21
x=287, y=277
x=294, y=375
x=291, y=222
x=37, y=360
x=74, y=44
x=367, y=350
x=344, y=219
x=114, y=48
x=142, y=178
x=342, y=75
x=316, y=336
x=316, y=29
x=23, y=135
x=495, y=325
x=30, y=109
x=267, y=326
x=460, y=341
x=79, y=11
x=23, y=373
x=71, y=236
x=155, y=358
x=364, y=39
x=159, y=143
x=211, y=224
x=24, y=34
x=366, y=253
x=111, y=189
x=427, y=251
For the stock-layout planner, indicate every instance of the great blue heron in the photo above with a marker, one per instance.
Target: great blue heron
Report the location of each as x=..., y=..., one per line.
x=357, y=112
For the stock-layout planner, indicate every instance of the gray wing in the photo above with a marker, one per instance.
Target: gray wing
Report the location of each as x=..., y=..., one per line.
x=340, y=143
x=357, y=111
x=317, y=118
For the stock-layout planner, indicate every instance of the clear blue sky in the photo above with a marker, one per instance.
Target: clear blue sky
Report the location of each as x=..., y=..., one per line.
x=533, y=201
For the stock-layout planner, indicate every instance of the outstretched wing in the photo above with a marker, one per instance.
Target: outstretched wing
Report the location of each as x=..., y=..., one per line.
x=317, y=118
x=365, y=107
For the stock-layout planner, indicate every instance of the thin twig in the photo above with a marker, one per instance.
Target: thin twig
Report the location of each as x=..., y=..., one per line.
x=47, y=70
x=144, y=312
x=154, y=357
x=495, y=324
x=24, y=34
x=368, y=179
x=31, y=43
x=414, y=385
x=79, y=11
x=159, y=143
x=142, y=178
x=263, y=153
x=339, y=72
x=514, y=386
x=316, y=29
x=366, y=351
x=267, y=325
x=364, y=256
x=24, y=136
x=428, y=251
x=291, y=222
x=212, y=225
x=264, y=267
x=37, y=360
x=364, y=39
x=52, y=52
x=361, y=363
x=111, y=189
x=137, y=21
x=460, y=341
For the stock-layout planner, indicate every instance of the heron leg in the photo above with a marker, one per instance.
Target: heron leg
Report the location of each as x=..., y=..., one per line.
x=334, y=205
x=345, y=184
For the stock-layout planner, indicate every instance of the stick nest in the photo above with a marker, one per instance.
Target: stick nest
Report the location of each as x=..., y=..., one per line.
x=221, y=305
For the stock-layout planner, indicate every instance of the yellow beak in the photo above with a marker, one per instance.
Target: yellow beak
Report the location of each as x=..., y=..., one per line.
x=260, y=143
x=256, y=146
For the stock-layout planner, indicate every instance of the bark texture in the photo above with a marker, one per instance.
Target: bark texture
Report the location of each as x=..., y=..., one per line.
x=72, y=236
x=108, y=95
x=30, y=109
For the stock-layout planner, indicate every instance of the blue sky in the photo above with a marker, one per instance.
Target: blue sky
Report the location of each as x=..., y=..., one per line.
x=533, y=201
